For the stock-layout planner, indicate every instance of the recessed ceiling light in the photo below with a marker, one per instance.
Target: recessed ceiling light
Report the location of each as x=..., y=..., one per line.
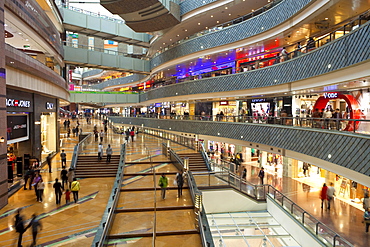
x=198, y=23
x=211, y=16
x=326, y=18
x=218, y=21
x=225, y=7
x=206, y=27
x=186, y=30
x=164, y=43
x=26, y=39
x=229, y=14
x=19, y=33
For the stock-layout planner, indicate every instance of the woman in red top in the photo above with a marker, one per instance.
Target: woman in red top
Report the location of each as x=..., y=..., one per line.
x=323, y=194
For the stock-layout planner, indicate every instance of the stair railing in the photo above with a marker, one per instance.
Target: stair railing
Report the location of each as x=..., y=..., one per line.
x=196, y=196
x=78, y=149
x=107, y=219
x=259, y=192
x=205, y=156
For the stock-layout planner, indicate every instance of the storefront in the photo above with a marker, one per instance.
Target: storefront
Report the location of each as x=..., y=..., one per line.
x=32, y=130
x=225, y=110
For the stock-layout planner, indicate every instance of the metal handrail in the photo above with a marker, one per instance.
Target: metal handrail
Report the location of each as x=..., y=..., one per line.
x=86, y=12
x=205, y=156
x=332, y=124
x=116, y=53
x=222, y=25
x=77, y=150
x=107, y=219
x=267, y=190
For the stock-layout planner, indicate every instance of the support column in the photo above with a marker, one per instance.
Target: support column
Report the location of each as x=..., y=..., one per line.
x=3, y=122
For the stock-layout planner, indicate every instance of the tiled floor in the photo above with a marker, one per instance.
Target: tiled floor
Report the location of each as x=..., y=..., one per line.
x=74, y=224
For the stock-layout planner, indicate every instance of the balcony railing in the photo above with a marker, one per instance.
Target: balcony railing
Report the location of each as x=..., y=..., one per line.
x=107, y=51
x=359, y=126
x=223, y=170
x=223, y=25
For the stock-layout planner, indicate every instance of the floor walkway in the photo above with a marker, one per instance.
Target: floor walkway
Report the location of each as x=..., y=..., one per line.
x=74, y=224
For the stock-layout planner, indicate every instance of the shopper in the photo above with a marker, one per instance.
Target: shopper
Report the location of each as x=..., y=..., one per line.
x=127, y=133
x=36, y=226
x=64, y=177
x=35, y=181
x=337, y=115
x=58, y=191
x=68, y=196
x=244, y=173
x=19, y=226
x=109, y=152
x=101, y=134
x=48, y=160
x=261, y=174
x=330, y=193
x=71, y=176
x=367, y=219
x=75, y=188
x=327, y=115
x=63, y=157
x=180, y=183
x=283, y=55
x=324, y=195
x=305, y=168
x=100, y=151
x=40, y=190
x=366, y=202
x=163, y=183
x=132, y=134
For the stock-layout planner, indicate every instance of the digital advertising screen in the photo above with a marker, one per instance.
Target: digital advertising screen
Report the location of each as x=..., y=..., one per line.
x=17, y=129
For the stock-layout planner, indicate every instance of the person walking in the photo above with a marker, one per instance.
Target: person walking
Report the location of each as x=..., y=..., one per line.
x=48, y=160
x=19, y=226
x=109, y=152
x=35, y=226
x=64, y=177
x=71, y=176
x=367, y=219
x=96, y=135
x=330, y=192
x=35, y=181
x=58, y=191
x=180, y=183
x=163, y=183
x=324, y=195
x=68, y=196
x=101, y=134
x=244, y=173
x=100, y=151
x=132, y=134
x=261, y=174
x=366, y=201
x=75, y=188
x=127, y=133
x=63, y=157
x=40, y=190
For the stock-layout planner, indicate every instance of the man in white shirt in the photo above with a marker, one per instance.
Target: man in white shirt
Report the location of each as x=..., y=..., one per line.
x=330, y=193
x=100, y=151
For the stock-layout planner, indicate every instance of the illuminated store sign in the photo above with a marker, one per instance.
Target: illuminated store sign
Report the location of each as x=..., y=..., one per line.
x=49, y=106
x=331, y=95
x=258, y=100
x=18, y=103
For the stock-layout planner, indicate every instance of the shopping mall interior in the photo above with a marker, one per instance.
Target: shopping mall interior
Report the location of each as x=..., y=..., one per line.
x=257, y=109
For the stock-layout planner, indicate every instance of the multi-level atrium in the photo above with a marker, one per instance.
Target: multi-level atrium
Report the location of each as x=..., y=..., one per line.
x=216, y=88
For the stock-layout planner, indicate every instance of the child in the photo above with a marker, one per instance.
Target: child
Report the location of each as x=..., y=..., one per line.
x=68, y=197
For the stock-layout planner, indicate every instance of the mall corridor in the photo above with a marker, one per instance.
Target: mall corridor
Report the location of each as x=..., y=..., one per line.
x=74, y=224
